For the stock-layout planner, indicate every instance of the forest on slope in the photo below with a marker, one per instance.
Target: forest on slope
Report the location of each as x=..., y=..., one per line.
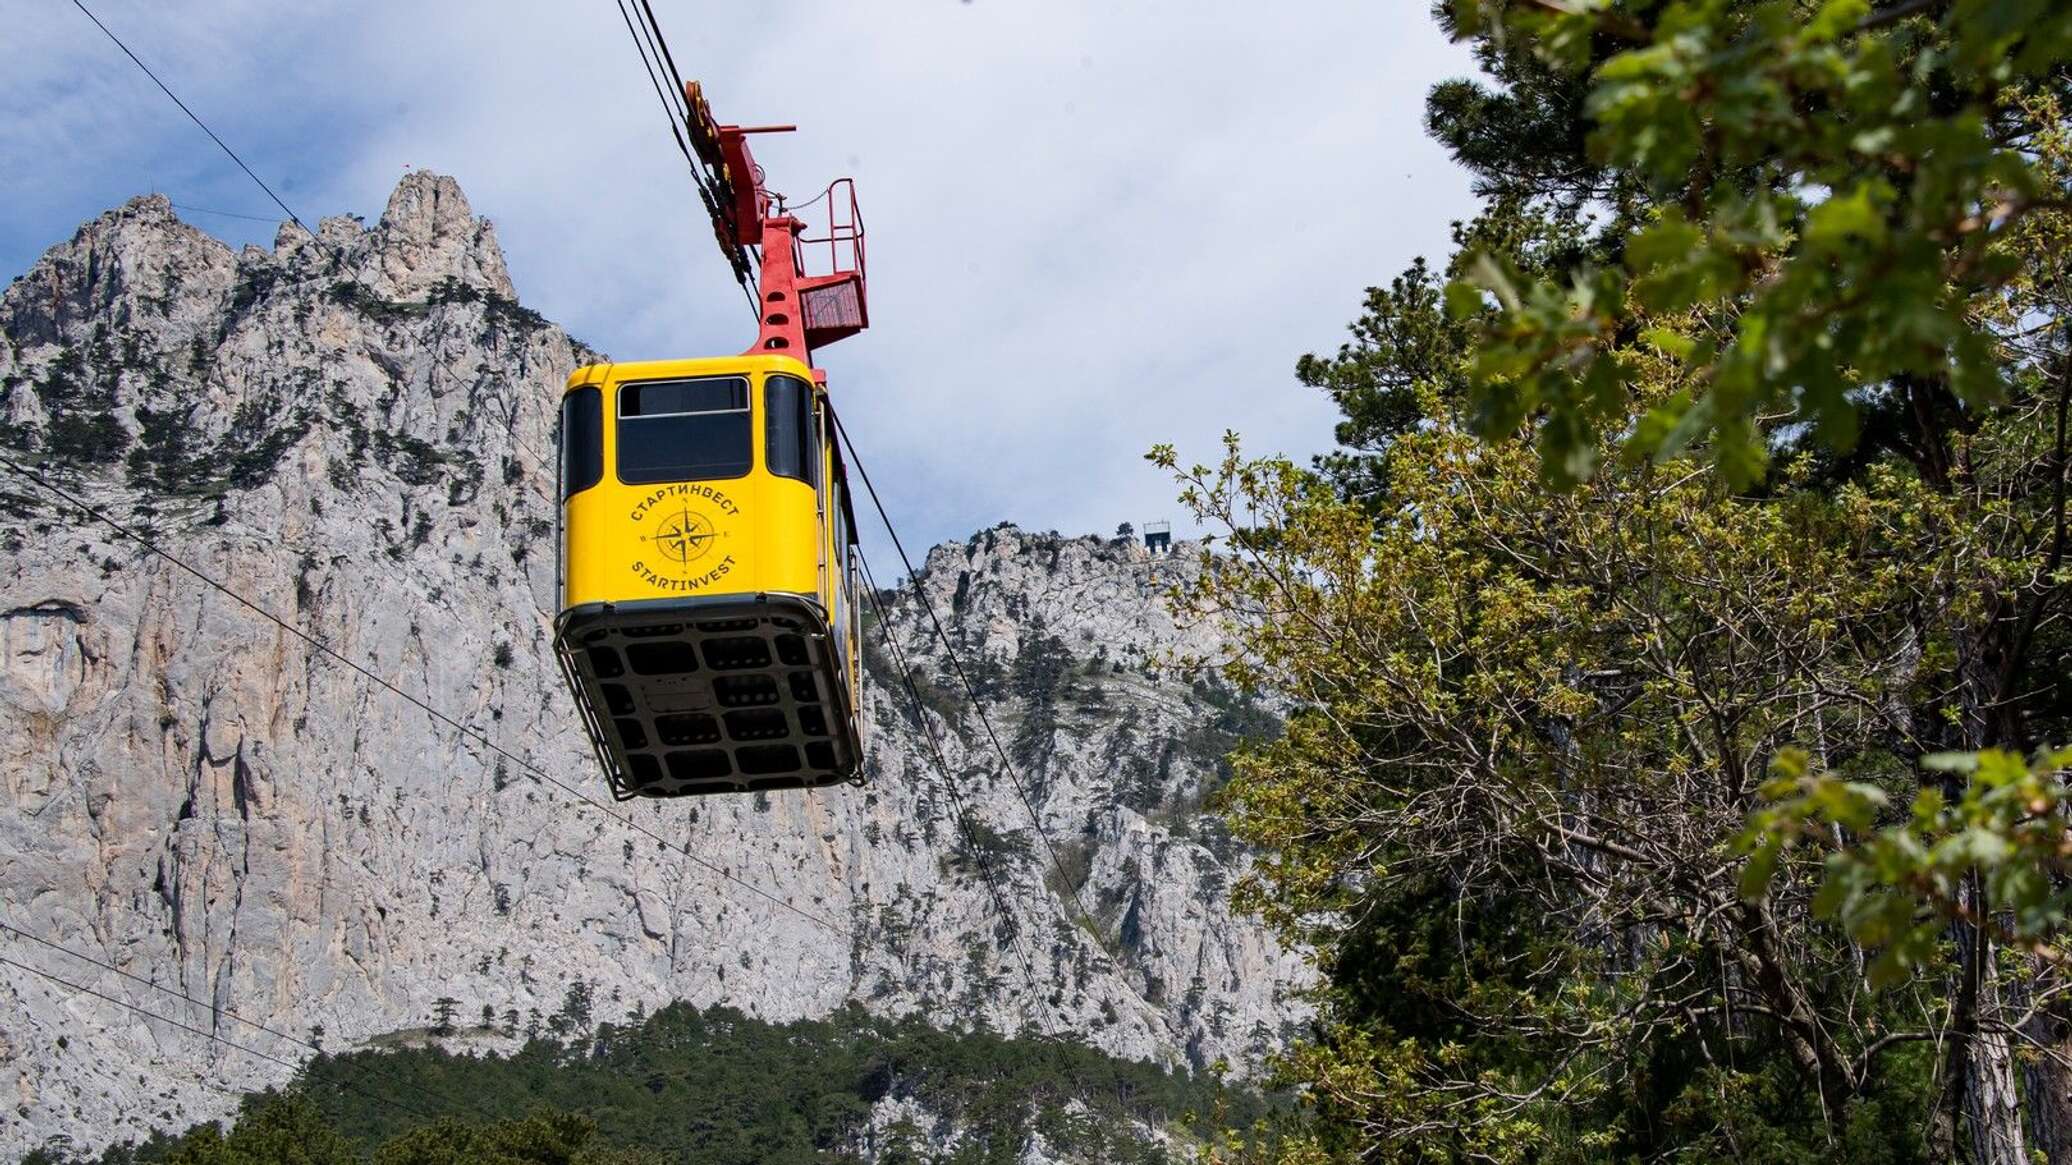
x=691, y=1086
x=1680, y=638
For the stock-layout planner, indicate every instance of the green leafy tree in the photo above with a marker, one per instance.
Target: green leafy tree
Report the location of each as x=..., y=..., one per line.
x=1812, y=211
x=549, y=1138
x=1531, y=731
x=1905, y=880
x=1771, y=292
x=574, y=1016
x=1850, y=219
x=903, y=1144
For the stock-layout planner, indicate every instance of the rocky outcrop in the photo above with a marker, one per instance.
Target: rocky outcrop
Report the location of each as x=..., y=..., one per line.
x=355, y=433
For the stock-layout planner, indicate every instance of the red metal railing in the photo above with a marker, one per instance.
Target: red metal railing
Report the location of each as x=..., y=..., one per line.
x=843, y=237
x=831, y=293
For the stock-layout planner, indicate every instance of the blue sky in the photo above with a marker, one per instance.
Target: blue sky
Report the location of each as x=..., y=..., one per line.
x=1093, y=225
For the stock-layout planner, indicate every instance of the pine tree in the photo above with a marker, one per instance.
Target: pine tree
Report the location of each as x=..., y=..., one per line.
x=444, y=1009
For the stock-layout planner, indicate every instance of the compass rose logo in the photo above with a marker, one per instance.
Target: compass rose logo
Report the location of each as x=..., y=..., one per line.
x=684, y=537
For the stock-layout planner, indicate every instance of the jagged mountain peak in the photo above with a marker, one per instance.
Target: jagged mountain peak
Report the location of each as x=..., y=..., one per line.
x=122, y=263
x=429, y=234
x=1086, y=581
x=140, y=261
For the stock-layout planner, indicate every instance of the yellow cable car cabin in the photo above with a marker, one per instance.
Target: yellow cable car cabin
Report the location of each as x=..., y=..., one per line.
x=707, y=625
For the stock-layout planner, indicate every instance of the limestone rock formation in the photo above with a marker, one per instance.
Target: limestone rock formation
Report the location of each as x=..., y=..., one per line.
x=354, y=432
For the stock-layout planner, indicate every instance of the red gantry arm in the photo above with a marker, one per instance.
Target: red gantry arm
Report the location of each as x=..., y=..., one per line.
x=803, y=306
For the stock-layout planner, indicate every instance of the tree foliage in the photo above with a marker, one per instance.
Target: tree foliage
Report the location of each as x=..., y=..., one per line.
x=716, y=1086
x=1697, y=807
x=1803, y=203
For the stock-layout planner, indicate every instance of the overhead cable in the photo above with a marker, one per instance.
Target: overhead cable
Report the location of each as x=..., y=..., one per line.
x=315, y=643
x=211, y=1007
x=653, y=49
x=963, y=816
x=970, y=689
x=672, y=109
x=139, y=979
x=192, y=116
x=223, y=213
x=213, y=1037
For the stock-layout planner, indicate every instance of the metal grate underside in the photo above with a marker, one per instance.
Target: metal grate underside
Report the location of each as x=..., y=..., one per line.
x=683, y=706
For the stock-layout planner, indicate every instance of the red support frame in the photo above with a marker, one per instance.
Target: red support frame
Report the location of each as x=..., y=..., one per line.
x=799, y=310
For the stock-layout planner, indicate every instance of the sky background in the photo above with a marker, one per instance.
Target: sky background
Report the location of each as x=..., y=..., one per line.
x=1094, y=225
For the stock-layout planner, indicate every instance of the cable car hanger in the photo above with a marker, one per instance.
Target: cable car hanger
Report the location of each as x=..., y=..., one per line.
x=707, y=627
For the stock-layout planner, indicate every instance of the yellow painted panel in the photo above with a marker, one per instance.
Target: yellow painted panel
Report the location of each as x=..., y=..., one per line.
x=745, y=535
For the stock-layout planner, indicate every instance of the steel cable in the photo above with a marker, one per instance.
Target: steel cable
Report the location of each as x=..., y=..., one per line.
x=678, y=113
x=213, y=1009
x=223, y=213
x=949, y=781
x=191, y=116
x=970, y=689
x=475, y=734
x=82, y=989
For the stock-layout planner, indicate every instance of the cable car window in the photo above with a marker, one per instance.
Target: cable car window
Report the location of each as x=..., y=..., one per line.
x=712, y=394
x=790, y=439
x=684, y=430
x=582, y=441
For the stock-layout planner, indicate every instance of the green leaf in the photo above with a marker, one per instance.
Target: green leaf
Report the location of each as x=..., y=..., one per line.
x=1497, y=279
x=1972, y=849
x=1855, y=215
x=1694, y=422
x=1761, y=868
x=1835, y=18
x=1998, y=767
x=1668, y=342
x=1833, y=896
x=1671, y=240
x=1463, y=301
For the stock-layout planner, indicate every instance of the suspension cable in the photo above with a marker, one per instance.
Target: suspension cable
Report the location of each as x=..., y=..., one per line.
x=82, y=989
x=949, y=782
x=191, y=116
x=655, y=58
x=712, y=196
x=18, y=932
x=671, y=109
x=970, y=690
x=247, y=1049
x=224, y=213
x=316, y=644
x=662, y=44
x=337, y=253
x=212, y=1008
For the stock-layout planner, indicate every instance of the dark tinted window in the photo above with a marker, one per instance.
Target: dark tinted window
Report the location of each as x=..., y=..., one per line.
x=684, y=430
x=714, y=394
x=789, y=434
x=582, y=441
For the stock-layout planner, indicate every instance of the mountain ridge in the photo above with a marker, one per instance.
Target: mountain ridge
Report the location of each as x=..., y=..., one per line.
x=356, y=432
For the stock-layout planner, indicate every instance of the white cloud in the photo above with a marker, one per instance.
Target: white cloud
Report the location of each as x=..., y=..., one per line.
x=1093, y=226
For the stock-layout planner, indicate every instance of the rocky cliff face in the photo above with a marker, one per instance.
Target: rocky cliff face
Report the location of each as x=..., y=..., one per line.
x=355, y=432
